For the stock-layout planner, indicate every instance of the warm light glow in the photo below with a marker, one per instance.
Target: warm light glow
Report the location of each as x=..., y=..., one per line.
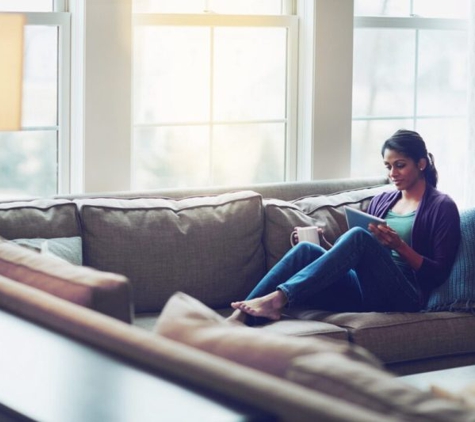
x=11, y=70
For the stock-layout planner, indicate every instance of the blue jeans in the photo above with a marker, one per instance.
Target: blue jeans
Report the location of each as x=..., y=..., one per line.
x=357, y=274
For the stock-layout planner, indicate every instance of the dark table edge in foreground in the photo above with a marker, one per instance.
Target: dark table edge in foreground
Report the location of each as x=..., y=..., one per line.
x=47, y=376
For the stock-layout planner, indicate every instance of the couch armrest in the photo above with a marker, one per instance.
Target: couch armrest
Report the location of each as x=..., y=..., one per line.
x=190, y=367
x=105, y=292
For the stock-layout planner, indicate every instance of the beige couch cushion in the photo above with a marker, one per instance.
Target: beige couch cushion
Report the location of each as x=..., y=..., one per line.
x=46, y=218
x=400, y=337
x=104, y=292
x=210, y=247
x=325, y=211
x=372, y=388
x=300, y=328
x=285, y=326
x=186, y=320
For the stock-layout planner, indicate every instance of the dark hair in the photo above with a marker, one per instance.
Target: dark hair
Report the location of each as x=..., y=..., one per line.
x=411, y=144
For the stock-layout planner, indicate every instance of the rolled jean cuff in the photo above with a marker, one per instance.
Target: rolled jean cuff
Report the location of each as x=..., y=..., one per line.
x=286, y=293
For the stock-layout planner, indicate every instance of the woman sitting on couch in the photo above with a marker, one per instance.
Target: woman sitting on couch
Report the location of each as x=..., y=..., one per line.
x=392, y=267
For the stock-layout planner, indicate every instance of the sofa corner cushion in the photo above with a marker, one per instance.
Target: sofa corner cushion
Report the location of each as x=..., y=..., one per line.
x=325, y=211
x=39, y=218
x=104, y=292
x=281, y=218
x=371, y=387
x=329, y=210
x=187, y=320
x=458, y=292
x=209, y=247
x=397, y=337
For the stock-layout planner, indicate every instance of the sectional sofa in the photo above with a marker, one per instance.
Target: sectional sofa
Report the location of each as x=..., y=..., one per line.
x=216, y=244
x=213, y=245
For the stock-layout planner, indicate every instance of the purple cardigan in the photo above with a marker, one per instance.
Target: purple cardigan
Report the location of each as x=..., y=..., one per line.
x=435, y=234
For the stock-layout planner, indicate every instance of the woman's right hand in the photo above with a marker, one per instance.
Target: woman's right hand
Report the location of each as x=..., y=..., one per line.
x=386, y=236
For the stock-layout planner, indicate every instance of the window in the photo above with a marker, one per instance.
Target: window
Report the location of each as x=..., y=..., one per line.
x=214, y=93
x=35, y=160
x=410, y=71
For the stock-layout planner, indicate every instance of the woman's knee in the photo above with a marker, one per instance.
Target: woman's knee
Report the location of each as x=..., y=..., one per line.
x=356, y=234
x=360, y=232
x=308, y=249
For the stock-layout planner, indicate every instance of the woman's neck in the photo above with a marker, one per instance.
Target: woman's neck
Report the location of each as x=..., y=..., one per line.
x=410, y=198
x=415, y=192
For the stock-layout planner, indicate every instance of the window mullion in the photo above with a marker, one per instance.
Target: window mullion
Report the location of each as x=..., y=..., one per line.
x=211, y=104
x=416, y=78
x=64, y=101
x=414, y=22
x=60, y=5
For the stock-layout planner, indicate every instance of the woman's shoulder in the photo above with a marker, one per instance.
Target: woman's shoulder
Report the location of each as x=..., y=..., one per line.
x=435, y=196
x=382, y=201
x=442, y=202
x=385, y=196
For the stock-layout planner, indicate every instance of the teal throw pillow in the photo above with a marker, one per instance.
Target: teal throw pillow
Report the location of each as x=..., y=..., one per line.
x=458, y=292
x=67, y=248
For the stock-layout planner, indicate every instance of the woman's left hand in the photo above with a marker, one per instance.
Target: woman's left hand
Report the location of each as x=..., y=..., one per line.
x=386, y=235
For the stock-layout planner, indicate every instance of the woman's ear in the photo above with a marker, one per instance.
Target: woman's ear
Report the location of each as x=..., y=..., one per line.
x=422, y=164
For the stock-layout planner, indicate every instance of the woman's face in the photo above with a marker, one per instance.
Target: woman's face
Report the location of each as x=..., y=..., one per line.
x=403, y=171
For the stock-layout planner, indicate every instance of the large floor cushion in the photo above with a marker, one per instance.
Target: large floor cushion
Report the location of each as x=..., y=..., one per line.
x=187, y=320
x=400, y=337
x=107, y=293
x=209, y=247
x=285, y=326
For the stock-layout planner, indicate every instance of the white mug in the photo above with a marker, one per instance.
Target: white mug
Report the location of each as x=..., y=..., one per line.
x=305, y=234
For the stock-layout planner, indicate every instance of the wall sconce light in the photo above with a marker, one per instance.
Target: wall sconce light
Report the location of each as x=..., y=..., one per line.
x=11, y=70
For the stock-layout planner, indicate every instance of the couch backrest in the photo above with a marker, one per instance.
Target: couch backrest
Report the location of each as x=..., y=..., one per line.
x=286, y=191
x=39, y=218
x=211, y=246
x=212, y=243
x=324, y=211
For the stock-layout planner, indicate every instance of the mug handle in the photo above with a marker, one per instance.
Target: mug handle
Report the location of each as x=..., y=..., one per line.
x=292, y=238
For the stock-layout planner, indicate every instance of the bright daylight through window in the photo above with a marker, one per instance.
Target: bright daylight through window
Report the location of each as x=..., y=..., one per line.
x=213, y=89
x=29, y=159
x=410, y=71
x=215, y=93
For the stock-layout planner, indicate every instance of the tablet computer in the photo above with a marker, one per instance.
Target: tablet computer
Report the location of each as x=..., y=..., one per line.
x=357, y=218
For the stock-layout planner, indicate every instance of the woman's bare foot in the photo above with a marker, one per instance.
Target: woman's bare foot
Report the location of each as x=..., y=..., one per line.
x=269, y=306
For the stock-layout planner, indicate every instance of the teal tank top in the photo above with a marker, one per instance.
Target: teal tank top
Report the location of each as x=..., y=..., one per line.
x=402, y=225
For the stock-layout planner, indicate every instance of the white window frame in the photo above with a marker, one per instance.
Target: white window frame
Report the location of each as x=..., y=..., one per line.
x=289, y=22
x=101, y=95
x=325, y=88
x=417, y=24
x=61, y=20
x=102, y=147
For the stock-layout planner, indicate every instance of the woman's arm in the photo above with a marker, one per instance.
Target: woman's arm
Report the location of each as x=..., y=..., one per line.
x=388, y=237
